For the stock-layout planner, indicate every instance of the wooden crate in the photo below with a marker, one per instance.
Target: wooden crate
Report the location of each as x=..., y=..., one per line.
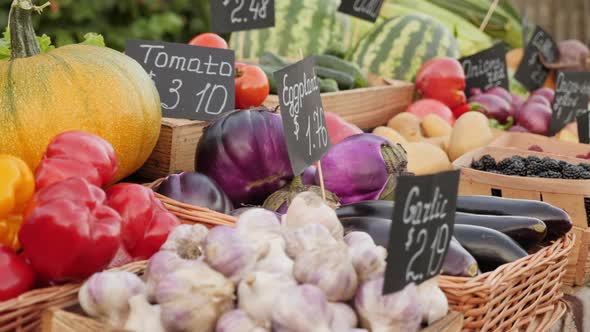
x=523, y=141
x=367, y=107
x=175, y=150
x=569, y=195
x=72, y=319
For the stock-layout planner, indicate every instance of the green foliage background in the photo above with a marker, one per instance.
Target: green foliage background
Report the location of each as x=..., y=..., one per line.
x=67, y=21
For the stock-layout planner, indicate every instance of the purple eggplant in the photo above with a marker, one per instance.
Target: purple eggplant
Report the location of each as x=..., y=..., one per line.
x=363, y=167
x=308, y=176
x=246, y=154
x=535, y=117
x=494, y=107
x=195, y=189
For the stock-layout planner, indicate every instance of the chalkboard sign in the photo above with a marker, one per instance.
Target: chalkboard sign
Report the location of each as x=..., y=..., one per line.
x=364, y=9
x=531, y=73
x=195, y=83
x=486, y=69
x=303, y=114
x=572, y=89
x=583, y=121
x=236, y=15
x=423, y=222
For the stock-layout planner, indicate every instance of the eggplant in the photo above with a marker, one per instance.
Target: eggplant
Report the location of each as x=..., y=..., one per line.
x=489, y=247
x=379, y=209
x=558, y=221
x=526, y=231
x=378, y=228
x=458, y=261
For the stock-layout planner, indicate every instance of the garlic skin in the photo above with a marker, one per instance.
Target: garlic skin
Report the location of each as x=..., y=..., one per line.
x=258, y=293
x=399, y=311
x=434, y=302
x=308, y=237
x=237, y=321
x=260, y=226
x=275, y=260
x=343, y=317
x=229, y=253
x=367, y=258
x=186, y=240
x=330, y=269
x=143, y=316
x=302, y=308
x=161, y=264
x=193, y=298
x=105, y=296
x=307, y=208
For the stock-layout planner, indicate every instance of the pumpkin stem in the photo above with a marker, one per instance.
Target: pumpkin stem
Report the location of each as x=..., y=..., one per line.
x=23, y=41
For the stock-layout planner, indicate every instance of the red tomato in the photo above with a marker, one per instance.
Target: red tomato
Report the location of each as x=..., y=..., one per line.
x=251, y=86
x=16, y=276
x=442, y=79
x=209, y=40
x=423, y=107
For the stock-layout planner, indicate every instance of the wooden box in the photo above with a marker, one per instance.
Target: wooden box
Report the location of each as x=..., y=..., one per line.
x=573, y=196
x=175, y=150
x=523, y=141
x=366, y=107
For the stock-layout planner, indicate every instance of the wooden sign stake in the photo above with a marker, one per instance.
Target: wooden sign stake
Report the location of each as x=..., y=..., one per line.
x=491, y=11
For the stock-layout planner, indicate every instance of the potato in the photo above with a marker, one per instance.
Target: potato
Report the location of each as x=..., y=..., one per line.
x=434, y=126
x=440, y=142
x=471, y=132
x=408, y=125
x=425, y=158
x=390, y=134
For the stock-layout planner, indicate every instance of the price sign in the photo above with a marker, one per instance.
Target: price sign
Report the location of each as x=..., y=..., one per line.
x=194, y=82
x=422, y=227
x=583, y=122
x=236, y=15
x=486, y=69
x=303, y=114
x=364, y=9
x=572, y=89
x=531, y=72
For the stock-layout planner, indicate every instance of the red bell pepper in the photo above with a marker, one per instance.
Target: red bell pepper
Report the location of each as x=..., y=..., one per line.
x=76, y=153
x=146, y=222
x=16, y=276
x=442, y=79
x=68, y=232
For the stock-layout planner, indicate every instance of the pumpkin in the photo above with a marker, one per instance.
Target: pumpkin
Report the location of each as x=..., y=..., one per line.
x=75, y=87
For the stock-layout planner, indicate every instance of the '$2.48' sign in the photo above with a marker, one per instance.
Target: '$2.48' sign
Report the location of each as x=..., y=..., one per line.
x=236, y=15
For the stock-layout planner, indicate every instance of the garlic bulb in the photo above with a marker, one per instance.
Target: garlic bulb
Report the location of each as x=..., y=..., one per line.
x=228, y=253
x=343, y=317
x=143, y=316
x=260, y=226
x=368, y=259
x=275, y=260
x=308, y=237
x=433, y=300
x=106, y=295
x=193, y=298
x=258, y=293
x=302, y=308
x=307, y=208
x=237, y=321
x=186, y=240
x=330, y=269
x=162, y=263
x=399, y=311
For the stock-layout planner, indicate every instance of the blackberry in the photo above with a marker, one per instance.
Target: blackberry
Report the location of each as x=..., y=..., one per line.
x=488, y=162
x=585, y=175
x=517, y=167
x=550, y=175
x=534, y=168
x=533, y=159
x=585, y=166
x=551, y=164
x=570, y=171
x=504, y=164
x=478, y=165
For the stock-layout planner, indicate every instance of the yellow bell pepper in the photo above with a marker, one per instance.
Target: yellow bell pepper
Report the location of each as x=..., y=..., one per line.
x=17, y=186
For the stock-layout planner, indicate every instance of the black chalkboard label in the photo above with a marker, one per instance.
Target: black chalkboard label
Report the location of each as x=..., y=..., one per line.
x=572, y=89
x=303, y=114
x=583, y=121
x=195, y=83
x=364, y=9
x=486, y=69
x=423, y=222
x=531, y=73
x=237, y=15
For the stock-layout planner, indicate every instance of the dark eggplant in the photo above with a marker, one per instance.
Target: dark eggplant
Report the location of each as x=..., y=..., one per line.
x=379, y=209
x=458, y=261
x=378, y=228
x=526, y=231
x=489, y=247
x=558, y=221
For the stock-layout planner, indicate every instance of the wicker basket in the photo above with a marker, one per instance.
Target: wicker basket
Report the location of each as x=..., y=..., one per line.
x=24, y=313
x=520, y=296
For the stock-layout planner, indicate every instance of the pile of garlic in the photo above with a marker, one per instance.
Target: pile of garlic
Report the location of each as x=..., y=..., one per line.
x=298, y=275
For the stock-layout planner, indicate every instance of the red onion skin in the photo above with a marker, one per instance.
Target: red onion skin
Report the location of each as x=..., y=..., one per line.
x=500, y=92
x=518, y=129
x=535, y=117
x=517, y=103
x=495, y=107
x=547, y=93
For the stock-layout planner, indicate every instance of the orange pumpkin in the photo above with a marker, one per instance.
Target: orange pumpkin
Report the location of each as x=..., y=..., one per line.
x=513, y=58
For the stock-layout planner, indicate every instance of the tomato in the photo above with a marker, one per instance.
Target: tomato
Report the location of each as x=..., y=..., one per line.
x=442, y=79
x=16, y=276
x=423, y=107
x=209, y=40
x=251, y=86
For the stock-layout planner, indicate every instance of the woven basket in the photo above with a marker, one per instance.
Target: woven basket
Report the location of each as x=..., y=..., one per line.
x=520, y=296
x=24, y=312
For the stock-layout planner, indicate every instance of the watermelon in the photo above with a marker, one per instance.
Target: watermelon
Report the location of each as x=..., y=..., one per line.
x=399, y=46
x=311, y=26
